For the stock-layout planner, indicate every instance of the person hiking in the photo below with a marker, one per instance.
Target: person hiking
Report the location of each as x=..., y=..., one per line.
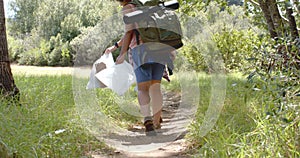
x=148, y=71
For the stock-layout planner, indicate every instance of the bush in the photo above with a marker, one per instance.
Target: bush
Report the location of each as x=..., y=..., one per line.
x=236, y=47
x=60, y=56
x=31, y=50
x=33, y=57
x=15, y=48
x=52, y=53
x=93, y=41
x=276, y=74
x=219, y=36
x=194, y=57
x=66, y=55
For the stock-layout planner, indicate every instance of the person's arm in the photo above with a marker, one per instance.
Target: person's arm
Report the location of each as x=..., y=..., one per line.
x=114, y=47
x=126, y=40
x=125, y=45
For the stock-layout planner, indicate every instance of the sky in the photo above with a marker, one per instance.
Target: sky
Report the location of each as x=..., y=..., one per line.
x=6, y=2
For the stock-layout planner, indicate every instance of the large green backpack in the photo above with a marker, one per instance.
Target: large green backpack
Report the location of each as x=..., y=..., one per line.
x=160, y=26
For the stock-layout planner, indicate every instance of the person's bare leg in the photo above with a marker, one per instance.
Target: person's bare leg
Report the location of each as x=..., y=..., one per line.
x=144, y=101
x=156, y=102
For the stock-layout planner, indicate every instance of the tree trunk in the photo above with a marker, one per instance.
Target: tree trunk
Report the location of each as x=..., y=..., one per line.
x=264, y=5
x=276, y=17
x=292, y=21
x=7, y=84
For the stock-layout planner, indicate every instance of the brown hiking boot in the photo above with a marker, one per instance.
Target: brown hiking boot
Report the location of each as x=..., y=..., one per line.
x=149, y=128
x=158, y=126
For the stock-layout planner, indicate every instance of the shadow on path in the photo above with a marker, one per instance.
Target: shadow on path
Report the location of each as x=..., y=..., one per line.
x=169, y=141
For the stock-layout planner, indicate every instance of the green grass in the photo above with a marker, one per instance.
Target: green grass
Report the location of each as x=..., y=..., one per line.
x=46, y=125
x=123, y=110
x=243, y=128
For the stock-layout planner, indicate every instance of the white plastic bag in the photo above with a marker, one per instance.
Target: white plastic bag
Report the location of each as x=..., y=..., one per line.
x=117, y=77
x=106, y=59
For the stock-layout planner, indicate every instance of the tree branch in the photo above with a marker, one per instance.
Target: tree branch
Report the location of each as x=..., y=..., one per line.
x=254, y=3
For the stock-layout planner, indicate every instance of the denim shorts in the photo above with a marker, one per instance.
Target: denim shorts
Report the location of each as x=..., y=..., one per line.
x=149, y=72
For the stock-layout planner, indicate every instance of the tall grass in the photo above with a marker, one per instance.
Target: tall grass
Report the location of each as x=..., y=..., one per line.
x=244, y=128
x=46, y=124
x=121, y=110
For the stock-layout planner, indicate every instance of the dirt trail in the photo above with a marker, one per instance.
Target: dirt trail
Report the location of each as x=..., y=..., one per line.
x=169, y=141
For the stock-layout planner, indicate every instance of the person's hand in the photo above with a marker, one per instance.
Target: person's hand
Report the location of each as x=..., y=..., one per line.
x=109, y=49
x=120, y=59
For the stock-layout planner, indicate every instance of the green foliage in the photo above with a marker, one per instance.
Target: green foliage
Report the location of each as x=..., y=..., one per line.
x=33, y=57
x=43, y=53
x=275, y=80
x=236, y=47
x=51, y=17
x=15, y=48
x=70, y=27
x=51, y=14
x=194, y=56
x=220, y=36
x=277, y=74
x=93, y=41
x=24, y=19
x=193, y=7
x=91, y=12
x=66, y=55
x=255, y=12
x=37, y=21
x=61, y=54
x=45, y=47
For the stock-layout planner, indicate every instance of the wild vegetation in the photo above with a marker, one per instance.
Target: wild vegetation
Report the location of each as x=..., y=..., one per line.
x=46, y=123
x=256, y=43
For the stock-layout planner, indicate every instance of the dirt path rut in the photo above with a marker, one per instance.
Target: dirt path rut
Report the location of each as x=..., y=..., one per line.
x=169, y=141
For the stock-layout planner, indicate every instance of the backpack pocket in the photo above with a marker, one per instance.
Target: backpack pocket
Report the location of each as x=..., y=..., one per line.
x=169, y=28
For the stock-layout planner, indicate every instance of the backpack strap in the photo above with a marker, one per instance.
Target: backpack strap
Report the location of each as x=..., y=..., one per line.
x=137, y=34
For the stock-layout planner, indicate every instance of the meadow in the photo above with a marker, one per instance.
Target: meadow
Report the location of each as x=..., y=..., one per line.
x=47, y=123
